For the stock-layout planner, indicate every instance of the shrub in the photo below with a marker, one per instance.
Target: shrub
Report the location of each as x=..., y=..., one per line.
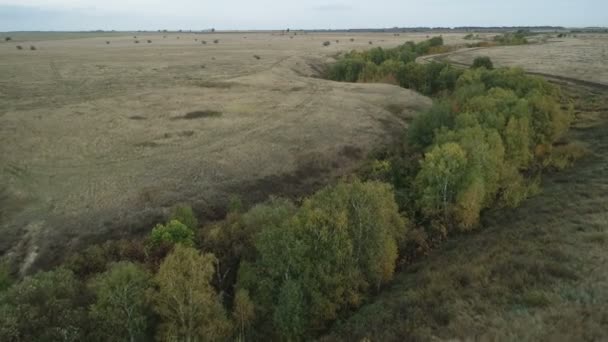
x=436, y=41
x=5, y=276
x=326, y=43
x=370, y=42
x=7, y=39
x=346, y=70
x=174, y=232
x=563, y=156
x=216, y=41
x=184, y=214
x=149, y=41
x=257, y=57
x=204, y=42
x=482, y=62
x=352, y=40
x=136, y=42
x=19, y=47
x=32, y=47
x=107, y=42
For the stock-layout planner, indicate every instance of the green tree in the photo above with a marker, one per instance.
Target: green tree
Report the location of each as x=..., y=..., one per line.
x=421, y=132
x=342, y=241
x=373, y=224
x=188, y=305
x=174, y=232
x=441, y=178
x=121, y=309
x=290, y=315
x=44, y=307
x=243, y=313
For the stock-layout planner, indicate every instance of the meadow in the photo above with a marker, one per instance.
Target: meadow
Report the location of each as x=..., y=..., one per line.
x=301, y=185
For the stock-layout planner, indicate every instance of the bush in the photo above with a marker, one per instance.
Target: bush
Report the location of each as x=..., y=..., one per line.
x=184, y=214
x=7, y=39
x=149, y=41
x=563, y=156
x=19, y=47
x=217, y=41
x=326, y=43
x=107, y=42
x=32, y=47
x=257, y=57
x=136, y=42
x=482, y=62
x=204, y=42
x=174, y=232
x=5, y=276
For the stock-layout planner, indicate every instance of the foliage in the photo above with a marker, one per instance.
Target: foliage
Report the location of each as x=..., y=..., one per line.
x=43, y=307
x=232, y=239
x=174, y=232
x=95, y=259
x=5, y=276
x=189, y=307
x=121, y=310
x=184, y=214
x=480, y=139
x=397, y=65
x=516, y=38
x=243, y=313
x=342, y=241
x=482, y=62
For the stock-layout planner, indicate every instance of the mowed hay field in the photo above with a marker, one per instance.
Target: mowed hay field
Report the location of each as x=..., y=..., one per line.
x=99, y=136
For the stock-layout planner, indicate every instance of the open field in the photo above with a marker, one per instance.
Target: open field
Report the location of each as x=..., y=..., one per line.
x=100, y=137
x=97, y=139
x=583, y=58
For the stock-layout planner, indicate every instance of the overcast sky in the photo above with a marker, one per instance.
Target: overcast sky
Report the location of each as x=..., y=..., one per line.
x=18, y=15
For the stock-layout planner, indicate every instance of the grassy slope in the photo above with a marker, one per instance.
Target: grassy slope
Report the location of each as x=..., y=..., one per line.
x=538, y=272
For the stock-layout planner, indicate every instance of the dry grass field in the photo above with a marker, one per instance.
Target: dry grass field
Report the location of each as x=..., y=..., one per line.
x=582, y=57
x=100, y=135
